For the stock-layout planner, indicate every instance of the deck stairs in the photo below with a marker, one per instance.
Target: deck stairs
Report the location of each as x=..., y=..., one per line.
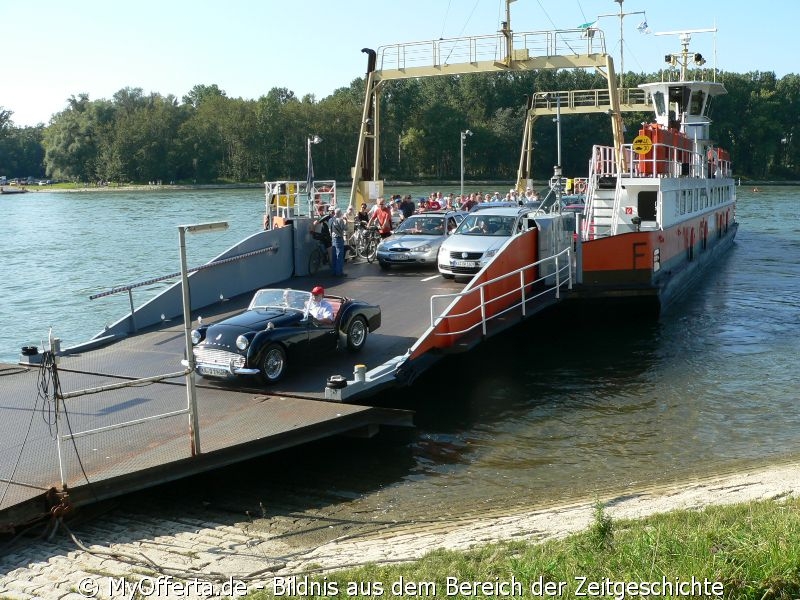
x=601, y=206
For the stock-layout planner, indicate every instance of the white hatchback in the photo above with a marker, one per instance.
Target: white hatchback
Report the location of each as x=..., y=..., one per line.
x=478, y=238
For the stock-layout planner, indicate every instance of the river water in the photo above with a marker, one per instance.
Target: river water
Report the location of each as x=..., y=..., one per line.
x=557, y=409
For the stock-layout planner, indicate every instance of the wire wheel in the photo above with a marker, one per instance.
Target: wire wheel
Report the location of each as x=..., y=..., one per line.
x=357, y=333
x=273, y=364
x=361, y=247
x=372, y=248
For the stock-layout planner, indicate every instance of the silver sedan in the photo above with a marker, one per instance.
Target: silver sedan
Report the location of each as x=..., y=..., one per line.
x=416, y=240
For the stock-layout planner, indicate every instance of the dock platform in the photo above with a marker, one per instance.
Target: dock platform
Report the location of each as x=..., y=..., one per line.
x=139, y=436
x=236, y=422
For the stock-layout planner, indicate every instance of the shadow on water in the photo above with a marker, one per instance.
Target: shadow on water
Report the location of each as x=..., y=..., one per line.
x=561, y=361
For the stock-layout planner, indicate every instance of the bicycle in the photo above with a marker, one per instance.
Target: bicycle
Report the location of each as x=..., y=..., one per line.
x=319, y=256
x=355, y=241
x=368, y=244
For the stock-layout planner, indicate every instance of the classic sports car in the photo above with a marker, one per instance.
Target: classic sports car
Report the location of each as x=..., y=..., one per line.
x=277, y=330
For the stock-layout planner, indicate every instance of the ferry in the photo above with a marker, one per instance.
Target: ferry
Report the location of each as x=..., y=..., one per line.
x=663, y=206
x=657, y=209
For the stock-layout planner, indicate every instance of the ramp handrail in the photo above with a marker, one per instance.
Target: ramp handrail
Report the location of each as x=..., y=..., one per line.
x=563, y=276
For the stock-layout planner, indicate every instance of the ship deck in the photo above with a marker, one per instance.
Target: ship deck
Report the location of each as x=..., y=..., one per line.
x=236, y=422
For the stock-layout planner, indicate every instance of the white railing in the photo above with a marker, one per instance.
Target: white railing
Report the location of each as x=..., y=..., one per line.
x=73, y=435
x=489, y=48
x=599, y=98
x=561, y=274
x=290, y=199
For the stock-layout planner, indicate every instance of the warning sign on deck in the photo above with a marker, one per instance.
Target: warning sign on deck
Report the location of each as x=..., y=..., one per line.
x=642, y=144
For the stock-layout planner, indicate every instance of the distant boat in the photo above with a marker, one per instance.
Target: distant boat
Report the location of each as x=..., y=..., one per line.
x=12, y=191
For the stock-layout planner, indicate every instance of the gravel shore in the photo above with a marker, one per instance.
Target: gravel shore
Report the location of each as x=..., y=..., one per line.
x=125, y=547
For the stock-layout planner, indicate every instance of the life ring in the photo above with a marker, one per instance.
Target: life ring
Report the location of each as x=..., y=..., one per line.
x=580, y=187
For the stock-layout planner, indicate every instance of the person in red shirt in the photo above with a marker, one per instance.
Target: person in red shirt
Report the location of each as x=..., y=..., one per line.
x=383, y=218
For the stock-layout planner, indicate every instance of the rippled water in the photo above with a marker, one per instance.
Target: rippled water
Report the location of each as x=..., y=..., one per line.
x=563, y=407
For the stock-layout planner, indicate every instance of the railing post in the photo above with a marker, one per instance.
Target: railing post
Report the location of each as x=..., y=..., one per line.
x=191, y=393
x=569, y=261
x=483, y=311
x=558, y=278
x=522, y=290
x=133, y=313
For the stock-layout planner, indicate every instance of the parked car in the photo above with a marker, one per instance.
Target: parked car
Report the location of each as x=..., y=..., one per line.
x=573, y=203
x=417, y=239
x=478, y=238
x=277, y=331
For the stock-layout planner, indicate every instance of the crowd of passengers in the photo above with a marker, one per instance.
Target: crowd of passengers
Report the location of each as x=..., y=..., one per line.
x=332, y=226
x=400, y=207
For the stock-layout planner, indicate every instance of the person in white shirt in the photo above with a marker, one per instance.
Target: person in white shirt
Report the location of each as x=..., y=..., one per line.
x=318, y=307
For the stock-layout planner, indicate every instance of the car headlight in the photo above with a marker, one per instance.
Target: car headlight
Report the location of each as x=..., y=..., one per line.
x=196, y=337
x=490, y=253
x=423, y=248
x=242, y=342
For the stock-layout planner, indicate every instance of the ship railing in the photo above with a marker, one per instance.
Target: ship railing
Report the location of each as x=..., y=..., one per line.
x=548, y=276
x=665, y=160
x=489, y=48
x=173, y=277
x=551, y=103
x=291, y=199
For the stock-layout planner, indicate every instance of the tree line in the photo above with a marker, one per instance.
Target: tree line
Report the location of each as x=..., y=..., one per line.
x=209, y=137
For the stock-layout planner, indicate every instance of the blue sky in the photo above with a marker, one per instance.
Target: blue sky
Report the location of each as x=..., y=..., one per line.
x=54, y=49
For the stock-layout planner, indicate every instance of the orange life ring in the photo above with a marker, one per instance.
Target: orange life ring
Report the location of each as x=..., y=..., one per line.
x=580, y=187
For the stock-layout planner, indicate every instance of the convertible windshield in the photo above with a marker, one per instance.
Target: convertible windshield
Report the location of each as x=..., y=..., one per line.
x=294, y=299
x=482, y=224
x=422, y=225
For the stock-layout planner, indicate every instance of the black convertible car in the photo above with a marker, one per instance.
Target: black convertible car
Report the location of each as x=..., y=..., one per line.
x=277, y=330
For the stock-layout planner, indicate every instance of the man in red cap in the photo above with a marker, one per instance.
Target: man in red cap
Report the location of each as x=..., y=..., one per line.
x=318, y=307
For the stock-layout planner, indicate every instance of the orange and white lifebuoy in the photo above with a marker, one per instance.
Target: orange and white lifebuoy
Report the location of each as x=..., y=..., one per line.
x=580, y=187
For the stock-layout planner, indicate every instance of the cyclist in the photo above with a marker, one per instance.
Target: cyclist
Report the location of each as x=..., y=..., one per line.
x=383, y=219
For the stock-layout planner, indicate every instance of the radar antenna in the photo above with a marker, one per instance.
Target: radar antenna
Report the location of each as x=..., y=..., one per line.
x=684, y=57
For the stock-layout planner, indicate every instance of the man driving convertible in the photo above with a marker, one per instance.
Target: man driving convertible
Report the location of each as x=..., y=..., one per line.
x=318, y=307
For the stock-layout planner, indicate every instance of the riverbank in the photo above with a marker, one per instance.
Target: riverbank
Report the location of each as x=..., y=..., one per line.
x=413, y=541
x=124, y=544
x=67, y=188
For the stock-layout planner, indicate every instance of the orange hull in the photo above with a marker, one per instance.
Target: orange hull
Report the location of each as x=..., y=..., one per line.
x=646, y=262
x=472, y=307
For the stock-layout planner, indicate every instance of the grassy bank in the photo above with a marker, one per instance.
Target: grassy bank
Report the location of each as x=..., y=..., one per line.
x=749, y=550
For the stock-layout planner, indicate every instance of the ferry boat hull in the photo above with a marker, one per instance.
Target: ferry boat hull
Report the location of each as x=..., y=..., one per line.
x=654, y=267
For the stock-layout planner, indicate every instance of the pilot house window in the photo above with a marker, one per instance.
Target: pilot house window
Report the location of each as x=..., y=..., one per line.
x=696, y=104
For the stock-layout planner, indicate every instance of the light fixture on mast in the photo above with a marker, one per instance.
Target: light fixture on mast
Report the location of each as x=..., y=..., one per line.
x=621, y=16
x=464, y=135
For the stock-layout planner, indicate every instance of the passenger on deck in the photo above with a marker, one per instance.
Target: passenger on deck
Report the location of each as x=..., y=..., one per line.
x=407, y=206
x=338, y=236
x=362, y=216
x=321, y=229
x=469, y=202
x=318, y=307
x=382, y=218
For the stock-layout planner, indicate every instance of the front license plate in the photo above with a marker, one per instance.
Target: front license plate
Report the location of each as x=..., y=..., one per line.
x=399, y=257
x=213, y=371
x=463, y=263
